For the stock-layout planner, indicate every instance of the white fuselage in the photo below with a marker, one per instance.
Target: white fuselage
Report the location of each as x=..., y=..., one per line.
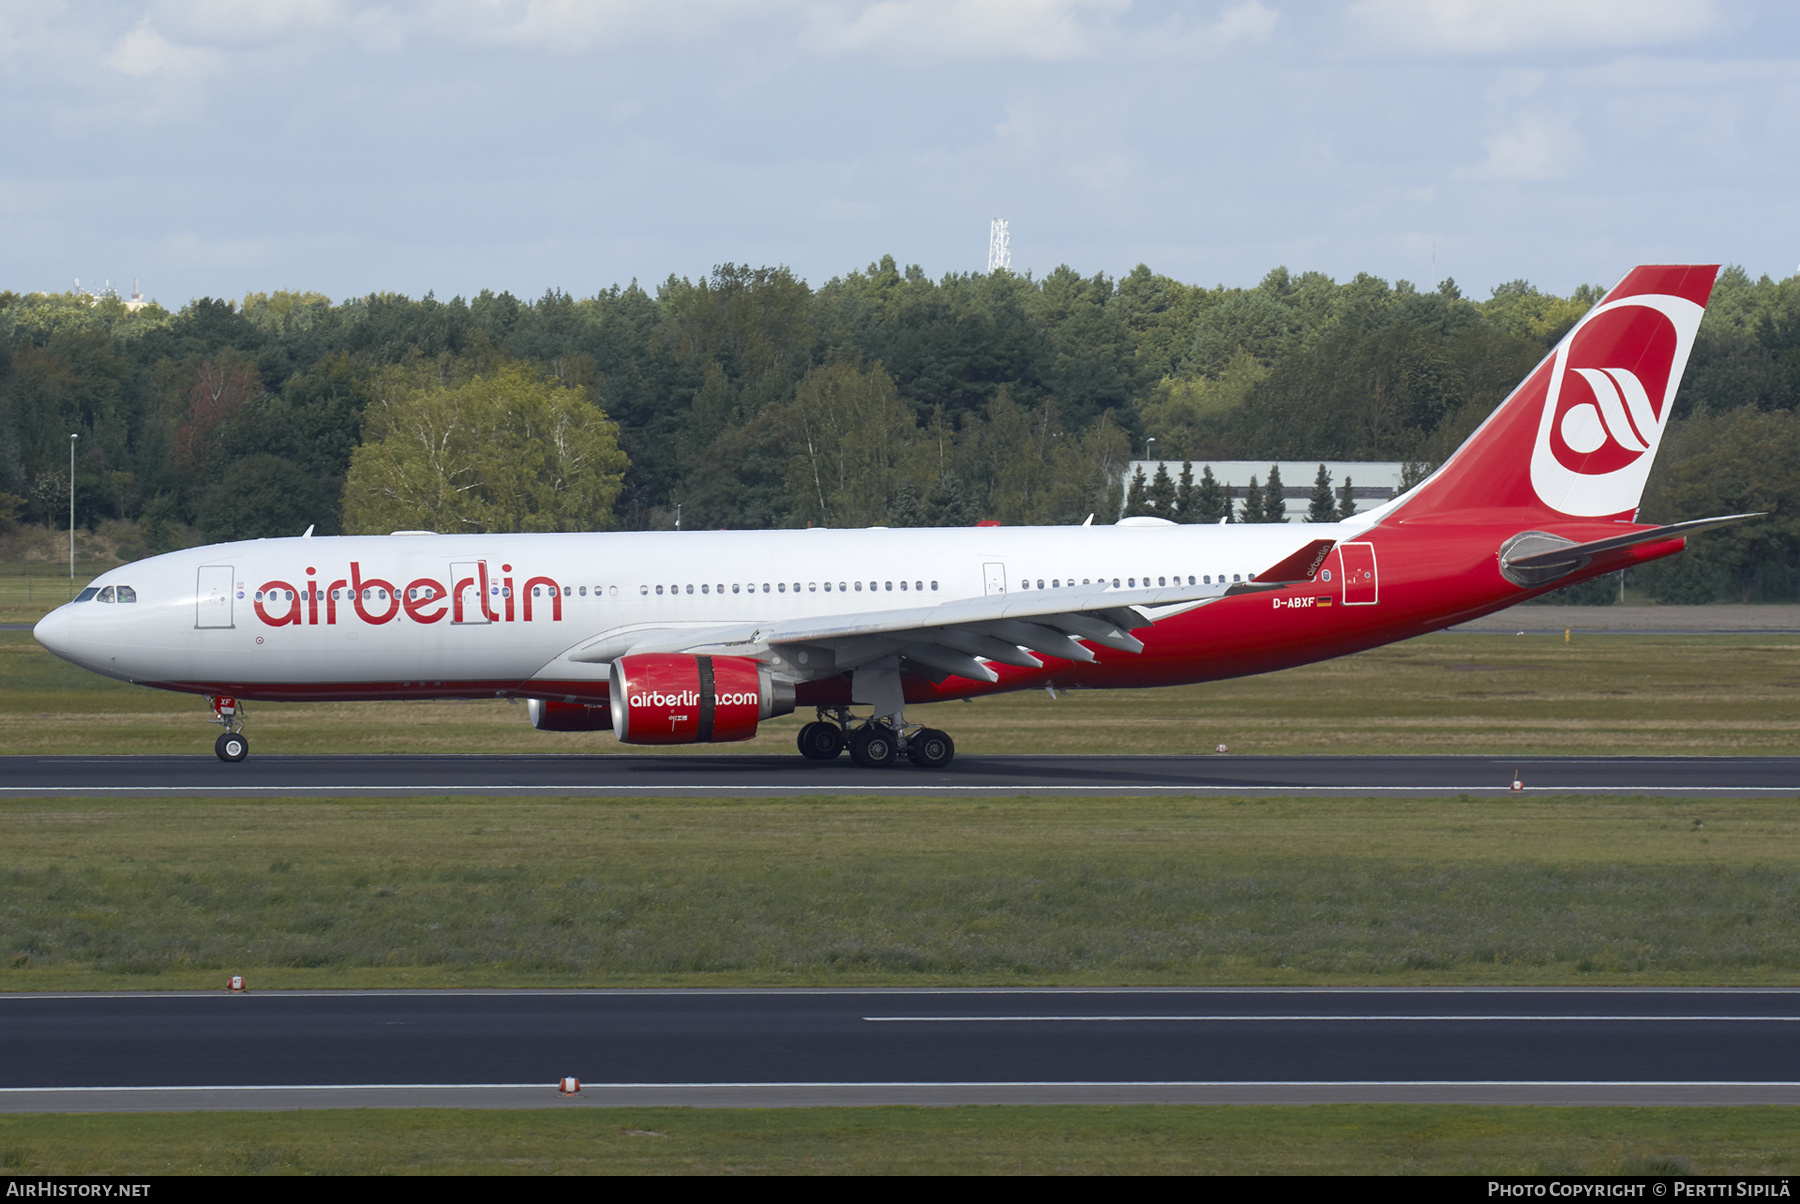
x=321, y=614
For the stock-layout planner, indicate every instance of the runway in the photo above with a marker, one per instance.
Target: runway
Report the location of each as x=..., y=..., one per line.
x=930, y=1047
x=728, y=774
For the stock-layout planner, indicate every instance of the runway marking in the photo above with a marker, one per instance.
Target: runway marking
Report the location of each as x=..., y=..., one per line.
x=551, y=1086
x=1252, y=1018
x=379, y=993
x=864, y=788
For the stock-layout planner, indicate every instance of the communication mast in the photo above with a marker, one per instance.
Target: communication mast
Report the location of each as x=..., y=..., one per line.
x=999, y=244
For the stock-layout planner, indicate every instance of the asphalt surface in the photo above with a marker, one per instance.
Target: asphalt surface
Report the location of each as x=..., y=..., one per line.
x=727, y=774
x=787, y=1048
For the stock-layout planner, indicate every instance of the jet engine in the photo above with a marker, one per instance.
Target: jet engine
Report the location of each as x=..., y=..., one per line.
x=549, y=716
x=673, y=698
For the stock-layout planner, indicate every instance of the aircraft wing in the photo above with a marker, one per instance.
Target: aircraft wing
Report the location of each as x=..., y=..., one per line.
x=955, y=637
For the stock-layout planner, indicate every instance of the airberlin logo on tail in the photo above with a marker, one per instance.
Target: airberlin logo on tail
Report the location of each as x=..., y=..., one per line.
x=1608, y=399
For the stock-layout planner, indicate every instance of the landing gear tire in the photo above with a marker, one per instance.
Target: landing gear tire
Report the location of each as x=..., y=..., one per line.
x=874, y=746
x=930, y=748
x=232, y=746
x=821, y=741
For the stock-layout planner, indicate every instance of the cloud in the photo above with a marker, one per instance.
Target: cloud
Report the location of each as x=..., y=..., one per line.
x=1044, y=30
x=144, y=53
x=1534, y=146
x=578, y=25
x=1490, y=27
x=1238, y=25
x=247, y=21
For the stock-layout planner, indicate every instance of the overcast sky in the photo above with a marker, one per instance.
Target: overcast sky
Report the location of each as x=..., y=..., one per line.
x=214, y=147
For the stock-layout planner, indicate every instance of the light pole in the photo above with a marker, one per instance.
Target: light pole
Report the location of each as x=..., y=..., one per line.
x=1147, y=443
x=72, y=439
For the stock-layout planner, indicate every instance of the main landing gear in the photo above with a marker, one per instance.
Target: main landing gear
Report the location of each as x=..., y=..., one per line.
x=228, y=713
x=874, y=743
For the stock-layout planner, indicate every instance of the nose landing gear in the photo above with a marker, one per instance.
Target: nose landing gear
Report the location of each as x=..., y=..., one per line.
x=874, y=743
x=228, y=713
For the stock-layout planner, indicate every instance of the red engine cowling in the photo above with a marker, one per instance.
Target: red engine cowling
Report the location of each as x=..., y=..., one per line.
x=549, y=716
x=672, y=698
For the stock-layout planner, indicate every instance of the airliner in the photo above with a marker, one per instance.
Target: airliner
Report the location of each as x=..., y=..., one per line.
x=697, y=637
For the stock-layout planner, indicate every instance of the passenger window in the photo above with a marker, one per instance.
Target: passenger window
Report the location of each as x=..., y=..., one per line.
x=765, y=587
x=782, y=587
x=859, y=587
x=1160, y=580
x=1115, y=583
x=1235, y=577
x=842, y=587
x=659, y=591
x=812, y=587
x=106, y=595
x=903, y=587
x=127, y=594
x=934, y=586
x=568, y=591
x=690, y=589
x=1131, y=581
x=705, y=589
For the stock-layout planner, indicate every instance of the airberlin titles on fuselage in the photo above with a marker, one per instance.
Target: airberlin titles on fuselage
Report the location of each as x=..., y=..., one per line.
x=376, y=600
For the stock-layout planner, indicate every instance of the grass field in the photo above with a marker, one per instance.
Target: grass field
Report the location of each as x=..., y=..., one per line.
x=30, y=589
x=1327, y=1139
x=1505, y=695
x=844, y=891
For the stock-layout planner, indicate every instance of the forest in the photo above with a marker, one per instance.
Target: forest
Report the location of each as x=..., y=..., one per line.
x=751, y=399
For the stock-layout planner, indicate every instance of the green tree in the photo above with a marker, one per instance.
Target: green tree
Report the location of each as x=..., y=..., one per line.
x=1738, y=462
x=1137, y=499
x=1161, y=497
x=853, y=437
x=1184, y=494
x=1210, y=502
x=507, y=449
x=1274, y=498
x=1250, y=508
x=1346, y=500
x=1322, y=506
x=947, y=505
x=261, y=496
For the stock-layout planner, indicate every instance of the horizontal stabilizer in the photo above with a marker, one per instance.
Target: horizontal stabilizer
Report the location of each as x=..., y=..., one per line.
x=1571, y=553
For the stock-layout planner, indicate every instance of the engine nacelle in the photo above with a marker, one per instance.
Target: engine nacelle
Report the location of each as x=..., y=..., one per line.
x=673, y=698
x=549, y=716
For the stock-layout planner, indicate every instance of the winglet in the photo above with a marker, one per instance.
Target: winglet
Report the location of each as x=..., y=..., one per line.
x=1300, y=567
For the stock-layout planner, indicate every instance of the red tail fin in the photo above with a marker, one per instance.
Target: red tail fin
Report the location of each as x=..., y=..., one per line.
x=1577, y=438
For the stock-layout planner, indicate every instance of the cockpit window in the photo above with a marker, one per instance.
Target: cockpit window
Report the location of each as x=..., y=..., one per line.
x=106, y=594
x=127, y=594
x=87, y=595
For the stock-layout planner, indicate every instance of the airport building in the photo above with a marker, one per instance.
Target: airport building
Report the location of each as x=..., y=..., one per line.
x=1371, y=481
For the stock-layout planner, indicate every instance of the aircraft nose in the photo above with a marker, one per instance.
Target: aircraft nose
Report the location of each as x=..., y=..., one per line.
x=52, y=631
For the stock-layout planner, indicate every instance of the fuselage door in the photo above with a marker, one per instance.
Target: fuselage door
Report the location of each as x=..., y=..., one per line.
x=1356, y=561
x=996, y=578
x=214, y=591
x=468, y=592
